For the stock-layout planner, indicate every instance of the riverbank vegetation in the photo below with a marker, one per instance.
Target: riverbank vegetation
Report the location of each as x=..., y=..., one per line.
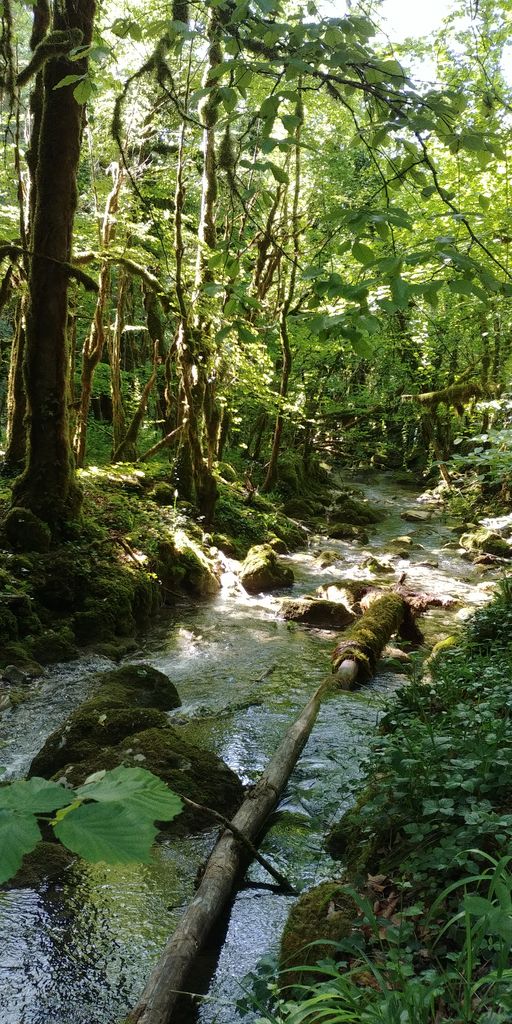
x=247, y=248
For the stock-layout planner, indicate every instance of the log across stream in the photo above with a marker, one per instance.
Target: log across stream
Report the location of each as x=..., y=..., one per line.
x=80, y=952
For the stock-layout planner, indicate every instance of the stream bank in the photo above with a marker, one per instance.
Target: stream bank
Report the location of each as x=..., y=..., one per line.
x=242, y=674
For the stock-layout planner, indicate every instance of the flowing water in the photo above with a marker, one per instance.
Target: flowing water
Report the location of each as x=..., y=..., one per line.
x=79, y=952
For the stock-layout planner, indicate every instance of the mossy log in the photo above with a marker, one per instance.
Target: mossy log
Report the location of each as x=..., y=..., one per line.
x=455, y=396
x=357, y=654
x=222, y=870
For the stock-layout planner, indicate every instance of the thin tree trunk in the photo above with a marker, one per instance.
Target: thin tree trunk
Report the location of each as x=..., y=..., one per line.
x=114, y=353
x=94, y=343
x=16, y=449
x=286, y=351
x=128, y=444
x=48, y=486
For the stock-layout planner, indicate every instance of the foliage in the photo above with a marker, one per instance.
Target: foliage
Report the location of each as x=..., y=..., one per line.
x=110, y=818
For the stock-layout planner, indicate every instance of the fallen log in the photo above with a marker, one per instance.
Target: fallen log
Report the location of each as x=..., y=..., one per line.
x=221, y=873
x=355, y=657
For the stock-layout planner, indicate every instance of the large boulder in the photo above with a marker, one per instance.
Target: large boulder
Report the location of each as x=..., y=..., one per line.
x=346, y=531
x=126, y=700
x=262, y=571
x=358, y=513
x=187, y=769
x=486, y=541
x=314, y=611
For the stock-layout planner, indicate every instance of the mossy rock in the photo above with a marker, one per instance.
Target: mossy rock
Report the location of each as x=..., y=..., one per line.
x=328, y=557
x=162, y=494
x=228, y=545
x=326, y=912
x=46, y=863
x=8, y=625
x=317, y=612
x=357, y=513
x=279, y=525
x=377, y=567
x=345, y=531
x=138, y=685
x=17, y=653
x=262, y=572
x=186, y=768
x=303, y=508
x=53, y=645
x=115, y=650
x=25, y=531
x=93, y=726
x=485, y=540
x=278, y=545
x=185, y=566
x=227, y=472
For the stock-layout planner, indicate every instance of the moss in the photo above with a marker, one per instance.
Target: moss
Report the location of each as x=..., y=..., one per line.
x=487, y=541
x=53, y=645
x=327, y=557
x=8, y=625
x=278, y=545
x=356, y=513
x=138, y=685
x=303, y=508
x=262, y=571
x=326, y=912
x=366, y=639
x=347, y=841
x=190, y=771
x=17, y=653
x=162, y=494
x=294, y=536
x=96, y=724
x=227, y=472
x=46, y=863
x=345, y=531
x=317, y=612
x=25, y=531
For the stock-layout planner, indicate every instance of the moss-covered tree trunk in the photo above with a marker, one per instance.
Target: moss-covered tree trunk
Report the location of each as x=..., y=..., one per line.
x=16, y=449
x=48, y=486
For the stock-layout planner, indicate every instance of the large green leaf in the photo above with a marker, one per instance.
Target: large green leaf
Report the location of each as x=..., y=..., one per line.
x=141, y=792
x=19, y=834
x=107, y=831
x=35, y=796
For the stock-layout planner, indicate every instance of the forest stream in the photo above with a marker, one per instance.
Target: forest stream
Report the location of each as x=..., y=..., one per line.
x=79, y=952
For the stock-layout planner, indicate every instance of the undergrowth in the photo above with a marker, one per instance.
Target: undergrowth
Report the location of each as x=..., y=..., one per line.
x=428, y=851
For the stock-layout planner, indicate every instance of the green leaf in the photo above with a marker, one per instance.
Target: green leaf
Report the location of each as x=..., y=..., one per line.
x=35, y=796
x=137, y=789
x=19, y=834
x=68, y=80
x=228, y=97
x=279, y=173
x=107, y=831
x=83, y=90
x=362, y=253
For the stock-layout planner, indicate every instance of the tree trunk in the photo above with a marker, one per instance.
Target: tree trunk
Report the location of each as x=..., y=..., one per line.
x=114, y=354
x=48, y=486
x=16, y=450
x=94, y=343
x=286, y=351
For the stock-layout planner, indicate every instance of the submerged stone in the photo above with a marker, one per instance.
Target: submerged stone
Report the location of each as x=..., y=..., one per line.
x=262, y=571
x=46, y=863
